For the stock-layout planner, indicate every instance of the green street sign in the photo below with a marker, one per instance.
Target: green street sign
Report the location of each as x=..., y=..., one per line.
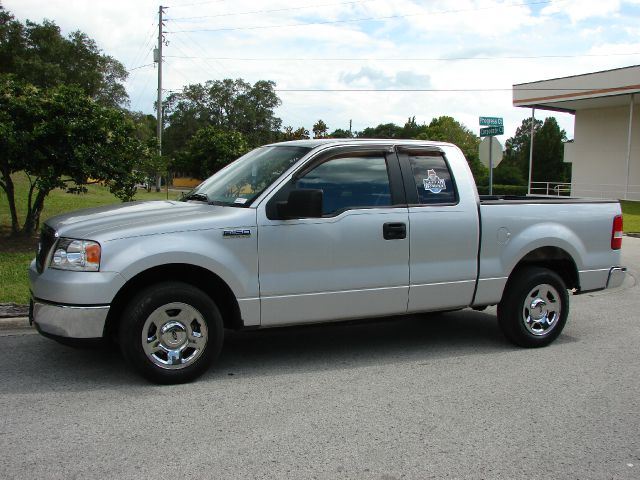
x=491, y=131
x=491, y=121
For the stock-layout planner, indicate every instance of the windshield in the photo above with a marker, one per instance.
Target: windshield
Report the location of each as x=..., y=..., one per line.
x=242, y=181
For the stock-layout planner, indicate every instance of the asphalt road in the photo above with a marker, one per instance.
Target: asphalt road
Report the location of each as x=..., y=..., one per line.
x=440, y=396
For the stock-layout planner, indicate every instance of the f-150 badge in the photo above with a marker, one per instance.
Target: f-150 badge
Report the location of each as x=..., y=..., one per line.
x=242, y=232
x=433, y=183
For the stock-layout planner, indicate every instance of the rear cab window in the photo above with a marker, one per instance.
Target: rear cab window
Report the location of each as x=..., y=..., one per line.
x=430, y=182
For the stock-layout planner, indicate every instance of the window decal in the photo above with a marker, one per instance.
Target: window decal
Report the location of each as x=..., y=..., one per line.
x=433, y=183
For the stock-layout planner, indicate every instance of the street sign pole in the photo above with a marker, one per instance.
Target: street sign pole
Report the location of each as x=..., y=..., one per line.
x=490, y=165
x=494, y=126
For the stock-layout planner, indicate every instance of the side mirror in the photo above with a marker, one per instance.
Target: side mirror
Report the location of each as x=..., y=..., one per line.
x=302, y=203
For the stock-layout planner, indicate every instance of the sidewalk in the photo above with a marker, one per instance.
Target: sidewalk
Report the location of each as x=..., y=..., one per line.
x=15, y=317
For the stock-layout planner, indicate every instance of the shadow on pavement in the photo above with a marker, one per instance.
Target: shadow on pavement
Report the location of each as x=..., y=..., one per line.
x=33, y=363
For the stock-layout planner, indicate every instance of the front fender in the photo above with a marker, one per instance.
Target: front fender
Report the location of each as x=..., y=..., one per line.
x=234, y=260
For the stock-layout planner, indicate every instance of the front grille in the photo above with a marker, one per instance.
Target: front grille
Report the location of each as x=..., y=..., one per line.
x=47, y=240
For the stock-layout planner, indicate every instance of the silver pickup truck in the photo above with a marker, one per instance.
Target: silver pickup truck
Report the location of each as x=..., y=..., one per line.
x=317, y=231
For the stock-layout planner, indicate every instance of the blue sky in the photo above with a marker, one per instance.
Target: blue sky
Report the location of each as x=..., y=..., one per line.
x=456, y=49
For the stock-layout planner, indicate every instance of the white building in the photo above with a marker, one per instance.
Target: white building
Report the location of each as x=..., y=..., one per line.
x=605, y=153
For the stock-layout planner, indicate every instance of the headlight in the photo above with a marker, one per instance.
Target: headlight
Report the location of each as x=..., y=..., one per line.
x=79, y=255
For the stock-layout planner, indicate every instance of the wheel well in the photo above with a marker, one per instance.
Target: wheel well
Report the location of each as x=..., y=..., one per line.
x=199, y=277
x=554, y=259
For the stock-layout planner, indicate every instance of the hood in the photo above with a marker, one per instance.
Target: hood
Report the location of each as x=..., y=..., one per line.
x=142, y=218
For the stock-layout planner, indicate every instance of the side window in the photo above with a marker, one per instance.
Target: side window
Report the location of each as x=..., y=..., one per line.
x=432, y=179
x=350, y=182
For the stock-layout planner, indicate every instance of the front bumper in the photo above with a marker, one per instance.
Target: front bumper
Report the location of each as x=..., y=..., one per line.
x=69, y=321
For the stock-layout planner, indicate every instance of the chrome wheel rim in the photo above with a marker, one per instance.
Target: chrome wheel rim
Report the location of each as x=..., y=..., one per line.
x=541, y=310
x=174, y=336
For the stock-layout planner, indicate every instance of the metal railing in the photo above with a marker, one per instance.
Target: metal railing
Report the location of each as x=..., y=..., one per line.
x=591, y=190
x=551, y=189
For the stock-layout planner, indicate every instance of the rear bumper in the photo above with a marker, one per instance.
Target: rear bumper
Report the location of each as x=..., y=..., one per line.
x=69, y=321
x=616, y=277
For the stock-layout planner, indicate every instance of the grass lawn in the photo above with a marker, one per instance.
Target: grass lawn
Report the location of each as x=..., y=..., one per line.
x=16, y=254
x=631, y=212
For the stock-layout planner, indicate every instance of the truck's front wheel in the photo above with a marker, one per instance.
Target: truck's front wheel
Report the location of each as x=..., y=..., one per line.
x=171, y=332
x=534, y=307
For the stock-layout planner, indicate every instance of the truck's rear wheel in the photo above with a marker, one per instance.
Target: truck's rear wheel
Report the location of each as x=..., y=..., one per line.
x=534, y=307
x=171, y=332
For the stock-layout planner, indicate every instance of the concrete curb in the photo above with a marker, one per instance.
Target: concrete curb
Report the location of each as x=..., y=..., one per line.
x=16, y=323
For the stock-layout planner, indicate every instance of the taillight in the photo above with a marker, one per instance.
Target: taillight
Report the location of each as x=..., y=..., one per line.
x=616, y=233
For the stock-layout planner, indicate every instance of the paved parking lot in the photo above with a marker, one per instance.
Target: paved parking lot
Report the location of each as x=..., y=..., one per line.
x=442, y=396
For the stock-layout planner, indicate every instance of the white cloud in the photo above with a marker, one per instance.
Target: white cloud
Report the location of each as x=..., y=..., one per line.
x=578, y=10
x=419, y=32
x=368, y=77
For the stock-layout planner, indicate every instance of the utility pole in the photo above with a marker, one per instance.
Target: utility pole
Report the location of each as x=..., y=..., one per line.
x=158, y=59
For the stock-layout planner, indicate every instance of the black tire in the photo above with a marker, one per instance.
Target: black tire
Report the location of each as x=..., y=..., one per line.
x=534, y=307
x=171, y=332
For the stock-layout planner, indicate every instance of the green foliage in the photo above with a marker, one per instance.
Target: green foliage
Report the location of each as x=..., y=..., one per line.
x=386, y=130
x=145, y=127
x=226, y=105
x=209, y=150
x=38, y=54
x=62, y=139
x=548, y=153
x=320, y=129
x=412, y=130
x=507, y=173
x=340, y=133
x=290, y=134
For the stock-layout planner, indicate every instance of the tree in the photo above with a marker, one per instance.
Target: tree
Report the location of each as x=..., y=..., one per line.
x=209, y=150
x=516, y=151
x=60, y=138
x=290, y=134
x=548, y=152
x=447, y=129
x=386, y=130
x=320, y=129
x=231, y=105
x=38, y=54
x=340, y=133
x=411, y=128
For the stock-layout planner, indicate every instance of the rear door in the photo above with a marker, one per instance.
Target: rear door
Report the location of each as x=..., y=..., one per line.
x=353, y=262
x=444, y=232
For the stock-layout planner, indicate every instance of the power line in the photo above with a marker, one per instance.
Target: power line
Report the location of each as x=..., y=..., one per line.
x=407, y=59
x=307, y=7
x=418, y=90
x=219, y=67
x=197, y=3
x=389, y=17
x=423, y=90
x=144, y=46
x=141, y=66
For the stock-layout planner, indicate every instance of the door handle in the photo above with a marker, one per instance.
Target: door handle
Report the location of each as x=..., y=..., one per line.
x=394, y=231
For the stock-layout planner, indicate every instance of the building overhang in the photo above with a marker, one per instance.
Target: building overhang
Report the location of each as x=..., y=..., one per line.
x=606, y=89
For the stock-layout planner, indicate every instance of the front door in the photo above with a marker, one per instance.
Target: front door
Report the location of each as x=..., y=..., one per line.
x=353, y=262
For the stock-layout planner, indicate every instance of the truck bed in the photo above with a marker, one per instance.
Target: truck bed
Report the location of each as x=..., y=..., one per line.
x=521, y=199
